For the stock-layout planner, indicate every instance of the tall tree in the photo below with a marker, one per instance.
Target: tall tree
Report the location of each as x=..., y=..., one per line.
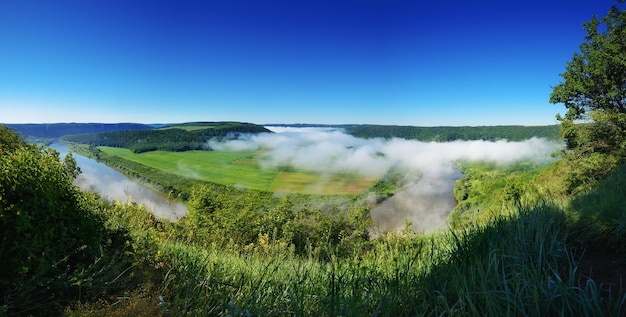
x=595, y=78
x=594, y=93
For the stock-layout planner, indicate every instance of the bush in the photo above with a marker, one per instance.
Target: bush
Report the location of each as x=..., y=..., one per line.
x=54, y=247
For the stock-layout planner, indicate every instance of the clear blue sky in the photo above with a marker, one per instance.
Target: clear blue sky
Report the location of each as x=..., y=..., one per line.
x=422, y=63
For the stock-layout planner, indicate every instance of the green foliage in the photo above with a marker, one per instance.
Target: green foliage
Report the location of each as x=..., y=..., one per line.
x=519, y=265
x=594, y=78
x=487, y=190
x=55, y=247
x=594, y=92
x=245, y=252
x=9, y=140
x=178, y=138
x=236, y=219
x=599, y=214
x=56, y=130
x=72, y=168
x=389, y=184
x=140, y=141
x=447, y=134
x=41, y=214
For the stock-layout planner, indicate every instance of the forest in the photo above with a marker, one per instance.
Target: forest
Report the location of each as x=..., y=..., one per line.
x=447, y=134
x=56, y=130
x=525, y=239
x=176, y=138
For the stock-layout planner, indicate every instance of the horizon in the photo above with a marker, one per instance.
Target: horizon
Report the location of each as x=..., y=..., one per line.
x=383, y=63
x=294, y=125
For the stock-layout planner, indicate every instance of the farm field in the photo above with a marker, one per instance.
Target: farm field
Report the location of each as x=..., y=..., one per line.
x=242, y=169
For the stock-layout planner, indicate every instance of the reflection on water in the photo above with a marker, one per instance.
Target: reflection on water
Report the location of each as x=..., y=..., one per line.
x=113, y=185
x=426, y=203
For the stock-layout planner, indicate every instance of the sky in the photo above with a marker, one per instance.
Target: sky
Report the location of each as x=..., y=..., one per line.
x=420, y=63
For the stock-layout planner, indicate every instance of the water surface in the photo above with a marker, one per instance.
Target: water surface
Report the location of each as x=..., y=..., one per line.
x=425, y=202
x=113, y=185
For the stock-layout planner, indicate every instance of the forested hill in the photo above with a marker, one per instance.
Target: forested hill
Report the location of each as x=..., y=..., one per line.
x=177, y=138
x=56, y=130
x=445, y=134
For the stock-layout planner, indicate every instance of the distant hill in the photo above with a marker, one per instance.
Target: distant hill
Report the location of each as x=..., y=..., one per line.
x=446, y=134
x=178, y=137
x=56, y=130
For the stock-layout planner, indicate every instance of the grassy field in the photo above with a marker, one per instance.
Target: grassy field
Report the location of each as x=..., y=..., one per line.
x=193, y=126
x=242, y=169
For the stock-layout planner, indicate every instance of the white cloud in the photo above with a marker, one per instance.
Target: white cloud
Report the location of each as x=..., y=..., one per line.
x=426, y=201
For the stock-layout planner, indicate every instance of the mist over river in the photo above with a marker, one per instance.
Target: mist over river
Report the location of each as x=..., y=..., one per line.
x=425, y=202
x=113, y=185
x=425, y=197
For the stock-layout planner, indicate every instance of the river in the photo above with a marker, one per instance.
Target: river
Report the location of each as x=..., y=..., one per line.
x=425, y=202
x=113, y=185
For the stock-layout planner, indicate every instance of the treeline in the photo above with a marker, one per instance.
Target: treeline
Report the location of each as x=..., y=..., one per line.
x=447, y=134
x=170, y=139
x=55, y=130
x=142, y=140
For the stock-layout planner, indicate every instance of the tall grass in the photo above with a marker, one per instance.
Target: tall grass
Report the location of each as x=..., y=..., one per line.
x=600, y=213
x=522, y=261
x=519, y=265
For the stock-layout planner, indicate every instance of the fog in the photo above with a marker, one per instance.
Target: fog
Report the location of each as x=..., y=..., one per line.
x=427, y=198
x=113, y=185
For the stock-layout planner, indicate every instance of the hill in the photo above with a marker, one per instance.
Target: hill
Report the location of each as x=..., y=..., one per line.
x=56, y=130
x=447, y=134
x=176, y=138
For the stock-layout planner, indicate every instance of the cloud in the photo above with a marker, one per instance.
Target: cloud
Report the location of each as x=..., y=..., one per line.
x=331, y=150
x=426, y=200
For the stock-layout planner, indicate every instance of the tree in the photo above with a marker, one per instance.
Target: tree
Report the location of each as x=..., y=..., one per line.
x=595, y=78
x=9, y=140
x=594, y=93
x=71, y=166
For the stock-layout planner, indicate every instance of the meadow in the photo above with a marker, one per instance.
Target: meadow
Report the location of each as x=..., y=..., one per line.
x=242, y=169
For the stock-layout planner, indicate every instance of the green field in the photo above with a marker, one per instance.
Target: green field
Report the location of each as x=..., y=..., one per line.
x=242, y=169
x=194, y=126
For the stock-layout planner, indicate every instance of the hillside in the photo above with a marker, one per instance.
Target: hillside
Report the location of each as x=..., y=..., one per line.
x=447, y=134
x=176, y=138
x=56, y=130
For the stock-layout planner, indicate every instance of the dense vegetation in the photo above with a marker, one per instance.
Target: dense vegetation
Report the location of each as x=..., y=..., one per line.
x=242, y=252
x=55, y=246
x=56, y=130
x=594, y=92
x=185, y=137
x=525, y=240
x=446, y=134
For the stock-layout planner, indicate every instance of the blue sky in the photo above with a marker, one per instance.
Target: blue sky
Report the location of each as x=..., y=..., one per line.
x=424, y=63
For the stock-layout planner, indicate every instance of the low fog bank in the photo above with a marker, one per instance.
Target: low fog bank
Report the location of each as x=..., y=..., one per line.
x=424, y=202
x=113, y=185
x=330, y=150
x=427, y=198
